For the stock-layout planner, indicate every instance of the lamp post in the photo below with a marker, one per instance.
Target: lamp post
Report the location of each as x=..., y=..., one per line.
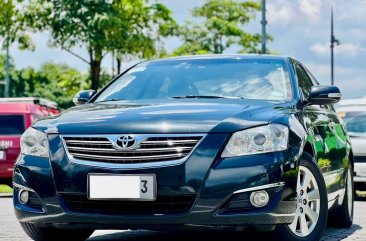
x=7, y=70
x=264, y=23
x=333, y=42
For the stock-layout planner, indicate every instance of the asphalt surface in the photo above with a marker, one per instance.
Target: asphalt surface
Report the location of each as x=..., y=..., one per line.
x=10, y=230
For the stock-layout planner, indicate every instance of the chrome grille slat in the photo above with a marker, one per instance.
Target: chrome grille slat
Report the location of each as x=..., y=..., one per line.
x=128, y=158
x=149, y=149
x=168, y=142
x=139, y=150
x=88, y=142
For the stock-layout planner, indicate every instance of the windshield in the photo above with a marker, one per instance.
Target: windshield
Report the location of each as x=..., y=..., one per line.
x=355, y=122
x=11, y=124
x=203, y=78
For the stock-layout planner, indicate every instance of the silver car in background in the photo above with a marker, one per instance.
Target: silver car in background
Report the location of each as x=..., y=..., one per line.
x=353, y=112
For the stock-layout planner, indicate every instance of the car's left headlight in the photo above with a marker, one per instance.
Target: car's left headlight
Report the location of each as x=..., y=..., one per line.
x=34, y=143
x=262, y=139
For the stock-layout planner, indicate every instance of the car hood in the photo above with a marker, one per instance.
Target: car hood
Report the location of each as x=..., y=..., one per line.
x=163, y=116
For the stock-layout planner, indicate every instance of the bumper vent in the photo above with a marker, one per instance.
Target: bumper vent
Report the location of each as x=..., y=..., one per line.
x=148, y=148
x=162, y=205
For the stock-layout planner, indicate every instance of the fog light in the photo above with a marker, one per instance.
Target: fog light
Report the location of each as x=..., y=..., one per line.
x=259, y=198
x=24, y=196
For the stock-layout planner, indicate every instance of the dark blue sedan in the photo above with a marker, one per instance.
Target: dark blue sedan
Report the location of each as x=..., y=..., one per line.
x=223, y=142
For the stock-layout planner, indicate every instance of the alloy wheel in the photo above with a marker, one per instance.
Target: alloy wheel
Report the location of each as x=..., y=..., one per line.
x=308, y=203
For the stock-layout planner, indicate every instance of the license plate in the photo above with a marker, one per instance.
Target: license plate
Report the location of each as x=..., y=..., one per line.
x=2, y=155
x=124, y=187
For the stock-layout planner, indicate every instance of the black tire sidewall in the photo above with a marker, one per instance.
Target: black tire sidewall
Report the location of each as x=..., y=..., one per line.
x=340, y=216
x=283, y=231
x=345, y=201
x=54, y=234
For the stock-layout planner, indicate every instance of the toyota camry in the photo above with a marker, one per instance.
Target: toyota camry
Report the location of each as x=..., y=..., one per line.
x=226, y=142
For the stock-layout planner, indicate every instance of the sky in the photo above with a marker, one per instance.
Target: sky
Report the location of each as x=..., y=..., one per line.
x=300, y=28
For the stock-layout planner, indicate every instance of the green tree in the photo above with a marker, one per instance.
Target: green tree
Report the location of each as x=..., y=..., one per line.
x=73, y=24
x=100, y=26
x=56, y=82
x=138, y=28
x=221, y=25
x=12, y=29
x=12, y=26
x=12, y=72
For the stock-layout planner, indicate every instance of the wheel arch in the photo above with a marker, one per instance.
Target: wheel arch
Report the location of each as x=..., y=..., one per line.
x=309, y=149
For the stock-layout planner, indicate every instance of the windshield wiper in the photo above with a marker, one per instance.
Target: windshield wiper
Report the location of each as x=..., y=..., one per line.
x=107, y=100
x=206, y=97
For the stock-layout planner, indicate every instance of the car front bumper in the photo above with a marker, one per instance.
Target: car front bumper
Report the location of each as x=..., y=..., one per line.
x=212, y=180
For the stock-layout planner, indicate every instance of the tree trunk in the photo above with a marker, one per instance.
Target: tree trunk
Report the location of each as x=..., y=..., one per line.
x=95, y=68
x=95, y=74
x=119, y=65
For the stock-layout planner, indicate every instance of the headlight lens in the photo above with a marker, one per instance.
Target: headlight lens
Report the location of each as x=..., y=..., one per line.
x=34, y=143
x=263, y=139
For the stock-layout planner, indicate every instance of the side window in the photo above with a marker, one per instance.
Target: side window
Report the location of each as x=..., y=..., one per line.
x=315, y=82
x=304, y=81
x=313, y=79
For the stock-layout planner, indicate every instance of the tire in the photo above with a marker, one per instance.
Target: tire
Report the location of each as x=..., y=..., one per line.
x=342, y=216
x=54, y=234
x=312, y=205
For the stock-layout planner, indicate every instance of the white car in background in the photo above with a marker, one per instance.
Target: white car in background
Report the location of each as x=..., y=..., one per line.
x=353, y=112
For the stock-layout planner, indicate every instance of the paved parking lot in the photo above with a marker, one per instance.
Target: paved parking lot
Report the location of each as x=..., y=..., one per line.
x=10, y=230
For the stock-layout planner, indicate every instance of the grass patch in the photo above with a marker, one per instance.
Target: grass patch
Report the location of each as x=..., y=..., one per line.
x=5, y=189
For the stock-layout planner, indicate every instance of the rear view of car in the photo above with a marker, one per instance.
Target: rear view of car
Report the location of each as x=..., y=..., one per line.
x=353, y=112
x=16, y=115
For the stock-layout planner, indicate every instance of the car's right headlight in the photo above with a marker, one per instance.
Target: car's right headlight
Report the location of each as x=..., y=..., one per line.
x=262, y=139
x=34, y=143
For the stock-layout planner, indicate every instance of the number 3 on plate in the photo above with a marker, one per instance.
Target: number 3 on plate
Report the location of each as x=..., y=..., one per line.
x=144, y=186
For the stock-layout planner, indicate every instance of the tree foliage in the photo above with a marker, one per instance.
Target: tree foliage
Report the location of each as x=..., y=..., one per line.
x=101, y=26
x=56, y=82
x=145, y=25
x=12, y=26
x=221, y=24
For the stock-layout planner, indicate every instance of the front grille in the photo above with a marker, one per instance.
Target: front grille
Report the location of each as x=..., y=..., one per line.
x=162, y=205
x=149, y=149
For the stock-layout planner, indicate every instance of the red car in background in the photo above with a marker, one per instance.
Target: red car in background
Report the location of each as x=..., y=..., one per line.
x=16, y=115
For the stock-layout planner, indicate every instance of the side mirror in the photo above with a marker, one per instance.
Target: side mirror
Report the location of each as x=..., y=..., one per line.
x=324, y=94
x=83, y=96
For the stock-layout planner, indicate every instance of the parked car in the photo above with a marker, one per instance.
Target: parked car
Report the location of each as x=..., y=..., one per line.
x=353, y=112
x=16, y=115
x=202, y=142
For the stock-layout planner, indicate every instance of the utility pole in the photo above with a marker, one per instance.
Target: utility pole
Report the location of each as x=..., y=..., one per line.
x=7, y=70
x=333, y=42
x=264, y=23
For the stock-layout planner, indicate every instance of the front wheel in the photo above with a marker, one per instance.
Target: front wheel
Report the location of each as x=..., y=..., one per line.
x=54, y=234
x=312, y=204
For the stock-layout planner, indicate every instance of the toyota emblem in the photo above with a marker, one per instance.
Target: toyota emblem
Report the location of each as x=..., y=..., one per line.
x=126, y=142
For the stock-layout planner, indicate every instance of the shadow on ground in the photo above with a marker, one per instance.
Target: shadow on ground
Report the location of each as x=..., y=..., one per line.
x=330, y=234
x=340, y=233
x=182, y=236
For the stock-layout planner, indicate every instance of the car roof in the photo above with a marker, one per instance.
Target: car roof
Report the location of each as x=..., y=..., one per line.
x=19, y=108
x=223, y=56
